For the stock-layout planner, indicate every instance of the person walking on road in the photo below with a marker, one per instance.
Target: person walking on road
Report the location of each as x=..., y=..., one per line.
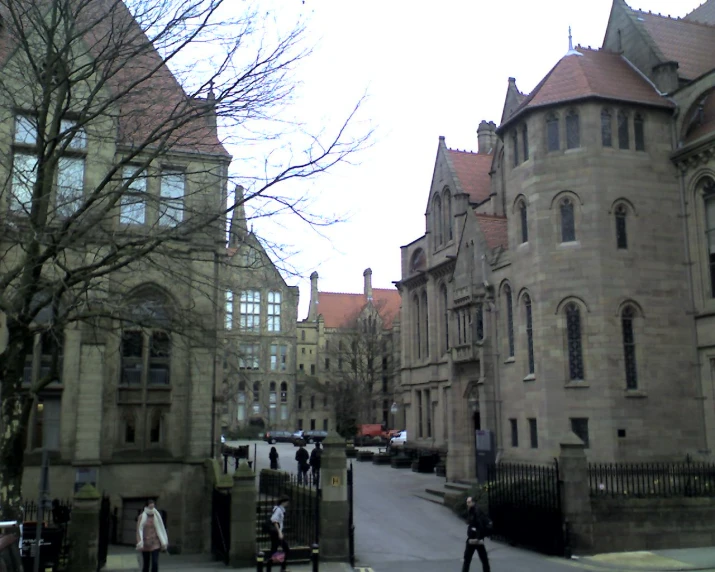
x=302, y=457
x=477, y=529
x=315, y=456
x=273, y=457
x=278, y=542
x=151, y=537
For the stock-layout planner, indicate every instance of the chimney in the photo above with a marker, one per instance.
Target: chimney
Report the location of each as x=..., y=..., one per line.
x=368, y=283
x=494, y=136
x=238, y=229
x=313, y=310
x=484, y=136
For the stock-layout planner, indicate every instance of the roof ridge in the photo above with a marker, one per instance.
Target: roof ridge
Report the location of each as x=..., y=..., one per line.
x=676, y=19
x=465, y=151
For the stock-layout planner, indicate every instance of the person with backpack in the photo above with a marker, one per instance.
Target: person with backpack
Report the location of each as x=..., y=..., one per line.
x=302, y=457
x=279, y=545
x=315, y=456
x=478, y=528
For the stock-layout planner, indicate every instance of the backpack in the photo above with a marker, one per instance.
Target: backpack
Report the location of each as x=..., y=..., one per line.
x=268, y=524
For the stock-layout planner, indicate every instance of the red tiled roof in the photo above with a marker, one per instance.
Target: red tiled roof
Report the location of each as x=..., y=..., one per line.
x=472, y=170
x=689, y=43
x=494, y=229
x=340, y=309
x=704, y=13
x=594, y=73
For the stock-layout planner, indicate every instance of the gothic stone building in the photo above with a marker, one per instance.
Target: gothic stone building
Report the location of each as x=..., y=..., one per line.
x=565, y=281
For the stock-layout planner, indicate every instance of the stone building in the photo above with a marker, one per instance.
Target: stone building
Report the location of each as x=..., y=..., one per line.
x=347, y=341
x=564, y=281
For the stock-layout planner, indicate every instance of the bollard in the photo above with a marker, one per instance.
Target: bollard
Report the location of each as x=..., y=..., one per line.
x=259, y=561
x=315, y=557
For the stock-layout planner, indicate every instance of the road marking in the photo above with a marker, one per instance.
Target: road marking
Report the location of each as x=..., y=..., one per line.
x=363, y=570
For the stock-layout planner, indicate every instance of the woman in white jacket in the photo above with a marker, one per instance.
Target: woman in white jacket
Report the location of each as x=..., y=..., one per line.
x=151, y=537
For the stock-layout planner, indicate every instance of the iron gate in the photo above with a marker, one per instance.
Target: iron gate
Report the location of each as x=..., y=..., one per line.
x=351, y=521
x=221, y=524
x=525, y=506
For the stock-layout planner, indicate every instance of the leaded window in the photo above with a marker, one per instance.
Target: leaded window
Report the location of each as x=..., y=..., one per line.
x=552, y=133
x=132, y=209
x=171, y=205
x=573, y=131
x=621, y=228
x=250, y=311
x=509, y=319
x=533, y=434
x=568, y=225
x=229, y=310
x=639, y=132
x=445, y=317
x=573, y=339
x=524, y=220
x=629, y=347
x=425, y=328
x=249, y=356
x=417, y=326
x=606, y=128
x=709, y=197
x=515, y=147
x=525, y=142
x=529, y=332
x=274, y=312
x=480, y=322
x=438, y=222
x=448, y=213
x=623, y=131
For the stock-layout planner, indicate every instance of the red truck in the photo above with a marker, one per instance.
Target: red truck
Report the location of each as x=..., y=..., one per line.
x=372, y=434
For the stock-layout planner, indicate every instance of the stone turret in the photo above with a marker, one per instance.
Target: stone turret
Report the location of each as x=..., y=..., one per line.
x=313, y=311
x=487, y=137
x=367, y=275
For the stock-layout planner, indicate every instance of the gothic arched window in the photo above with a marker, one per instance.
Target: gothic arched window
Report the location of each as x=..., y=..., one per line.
x=606, y=128
x=573, y=341
x=445, y=317
x=437, y=221
x=425, y=328
x=416, y=321
x=448, y=215
x=529, y=332
x=629, y=347
x=568, y=224
x=509, y=319
x=621, y=227
x=709, y=199
x=573, y=130
x=523, y=221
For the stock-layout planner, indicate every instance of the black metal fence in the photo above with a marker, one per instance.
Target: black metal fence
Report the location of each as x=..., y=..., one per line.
x=525, y=506
x=221, y=524
x=640, y=480
x=55, y=547
x=301, y=527
x=351, y=520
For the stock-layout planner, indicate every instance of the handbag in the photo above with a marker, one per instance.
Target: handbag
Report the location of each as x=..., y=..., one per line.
x=279, y=557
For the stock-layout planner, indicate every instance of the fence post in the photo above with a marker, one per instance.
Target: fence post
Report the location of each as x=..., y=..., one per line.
x=260, y=557
x=315, y=557
x=334, y=512
x=242, y=549
x=575, y=493
x=84, y=531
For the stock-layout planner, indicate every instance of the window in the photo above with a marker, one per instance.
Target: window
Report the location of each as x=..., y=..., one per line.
x=621, y=235
x=274, y=311
x=241, y=412
x=250, y=311
x=629, y=347
x=425, y=328
x=284, y=412
x=606, y=128
x=445, y=317
x=25, y=130
x=274, y=358
x=448, y=214
x=252, y=258
x=325, y=424
x=300, y=402
x=438, y=220
x=579, y=426
x=249, y=356
x=312, y=424
x=46, y=428
x=312, y=369
x=515, y=147
x=573, y=134
x=709, y=198
x=525, y=142
x=272, y=395
x=70, y=185
x=327, y=364
x=568, y=225
x=284, y=392
x=132, y=209
x=639, y=132
x=573, y=341
x=284, y=357
x=300, y=424
x=529, y=332
x=171, y=197
x=312, y=401
x=325, y=401
x=533, y=434
x=132, y=350
x=302, y=336
x=552, y=133
x=145, y=351
x=479, y=322
x=24, y=175
x=155, y=427
x=514, y=433
x=509, y=319
x=229, y=310
x=524, y=222
x=130, y=429
x=417, y=326
x=623, y=135
x=159, y=358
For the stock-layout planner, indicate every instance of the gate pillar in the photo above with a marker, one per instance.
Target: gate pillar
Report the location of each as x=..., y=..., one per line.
x=242, y=551
x=84, y=530
x=334, y=511
x=575, y=493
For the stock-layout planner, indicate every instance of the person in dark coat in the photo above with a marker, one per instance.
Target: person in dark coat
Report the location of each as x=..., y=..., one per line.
x=302, y=457
x=273, y=456
x=315, y=456
x=477, y=529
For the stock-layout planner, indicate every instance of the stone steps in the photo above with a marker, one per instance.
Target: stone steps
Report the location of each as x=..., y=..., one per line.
x=431, y=497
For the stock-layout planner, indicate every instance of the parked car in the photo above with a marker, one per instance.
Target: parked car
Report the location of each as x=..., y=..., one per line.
x=399, y=440
x=306, y=437
x=278, y=437
x=9, y=550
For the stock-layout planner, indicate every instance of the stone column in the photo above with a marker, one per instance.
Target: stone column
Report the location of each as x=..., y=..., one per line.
x=576, y=493
x=334, y=503
x=84, y=530
x=89, y=404
x=242, y=551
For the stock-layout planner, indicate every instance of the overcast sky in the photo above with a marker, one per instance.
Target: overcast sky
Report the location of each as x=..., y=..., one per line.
x=429, y=69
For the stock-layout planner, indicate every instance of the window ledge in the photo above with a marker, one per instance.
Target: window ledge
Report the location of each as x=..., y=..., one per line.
x=635, y=393
x=530, y=377
x=570, y=244
x=576, y=385
x=509, y=360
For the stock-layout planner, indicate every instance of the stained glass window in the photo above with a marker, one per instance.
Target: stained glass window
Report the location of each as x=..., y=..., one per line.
x=524, y=222
x=573, y=131
x=629, y=347
x=573, y=338
x=606, y=129
x=621, y=234
x=509, y=319
x=529, y=332
x=568, y=227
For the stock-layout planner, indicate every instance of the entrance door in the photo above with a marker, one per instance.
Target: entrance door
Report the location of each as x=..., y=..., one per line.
x=128, y=527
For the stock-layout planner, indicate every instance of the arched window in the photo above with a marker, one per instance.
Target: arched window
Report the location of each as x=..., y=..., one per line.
x=448, y=214
x=552, y=133
x=523, y=222
x=709, y=199
x=639, y=132
x=623, y=131
x=573, y=130
x=302, y=335
x=621, y=227
x=573, y=341
x=515, y=147
x=509, y=319
x=606, y=128
x=525, y=141
x=568, y=225
x=480, y=322
x=425, y=328
x=416, y=317
x=437, y=221
x=445, y=317
x=529, y=332
x=629, y=347
x=284, y=392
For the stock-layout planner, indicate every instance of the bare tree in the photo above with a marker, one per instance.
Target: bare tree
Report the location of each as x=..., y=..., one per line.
x=112, y=168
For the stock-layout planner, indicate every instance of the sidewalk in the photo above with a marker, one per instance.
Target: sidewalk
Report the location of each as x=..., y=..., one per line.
x=655, y=561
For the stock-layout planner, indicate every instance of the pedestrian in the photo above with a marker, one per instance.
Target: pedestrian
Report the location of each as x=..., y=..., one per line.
x=477, y=529
x=302, y=457
x=151, y=537
x=315, y=456
x=273, y=456
x=278, y=542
